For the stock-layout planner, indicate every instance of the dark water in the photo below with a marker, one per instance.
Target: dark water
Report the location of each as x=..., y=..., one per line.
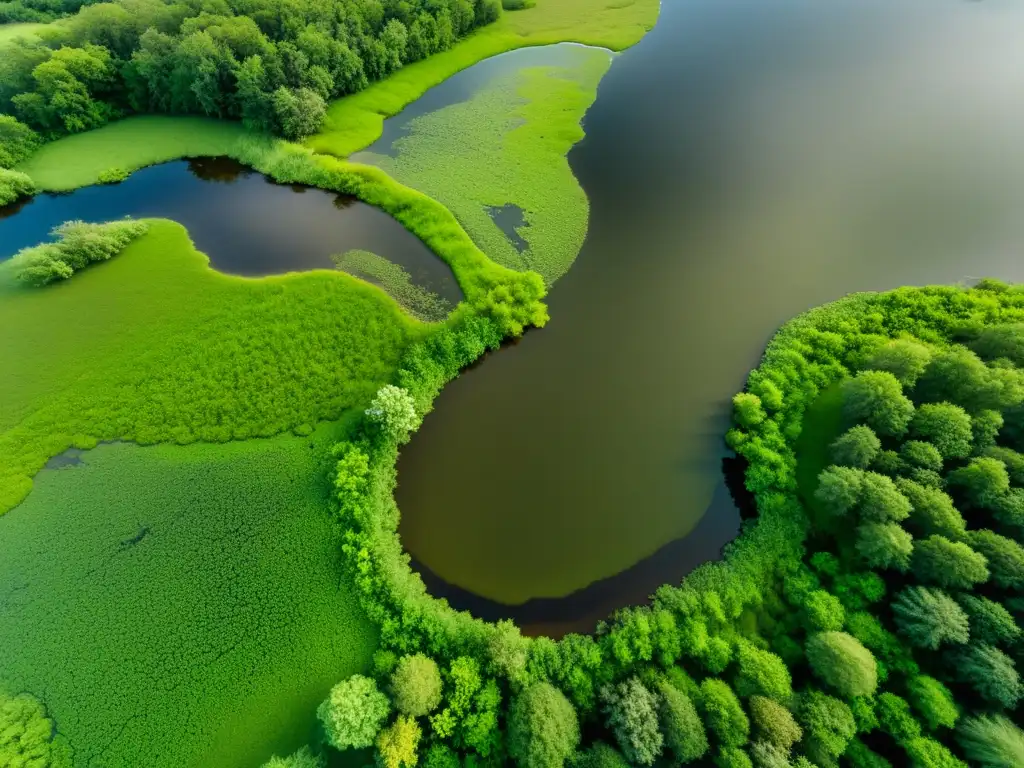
x=749, y=159
x=244, y=222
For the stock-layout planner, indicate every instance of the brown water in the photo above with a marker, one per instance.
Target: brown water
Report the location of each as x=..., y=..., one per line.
x=746, y=161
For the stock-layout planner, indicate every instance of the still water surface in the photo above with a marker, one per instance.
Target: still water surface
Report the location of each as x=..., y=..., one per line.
x=746, y=161
x=245, y=223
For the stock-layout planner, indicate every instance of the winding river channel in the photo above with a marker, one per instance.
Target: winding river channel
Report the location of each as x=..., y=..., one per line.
x=744, y=162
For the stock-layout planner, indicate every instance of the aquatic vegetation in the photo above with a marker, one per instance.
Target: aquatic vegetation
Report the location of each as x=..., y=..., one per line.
x=416, y=300
x=77, y=246
x=183, y=603
x=513, y=136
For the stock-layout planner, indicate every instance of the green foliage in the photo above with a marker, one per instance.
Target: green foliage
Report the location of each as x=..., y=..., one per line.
x=896, y=719
x=929, y=618
x=732, y=757
x=932, y=511
x=946, y=426
x=917, y=453
x=933, y=702
x=394, y=411
x=681, y=725
x=823, y=612
x=839, y=489
x=949, y=564
x=414, y=299
x=903, y=358
x=747, y=410
x=723, y=714
x=861, y=757
x=843, y=663
x=599, y=755
x=990, y=672
x=876, y=399
x=990, y=622
x=985, y=426
x=78, y=245
x=14, y=185
x=17, y=141
x=298, y=112
x=773, y=723
x=353, y=713
x=761, y=673
x=543, y=729
x=981, y=482
x=301, y=759
x=991, y=741
x=113, y=175
x=397, y=744
x=856, y=447
x=1005, y=557
x=416, y=685
x=828, y=726
x=881, y=501
x=884, y=545
x=928, y=753
x=27, y=735
x=631, y=712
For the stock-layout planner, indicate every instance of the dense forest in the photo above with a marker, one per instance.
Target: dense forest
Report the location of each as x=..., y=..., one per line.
x=869, y=612
x=271, y=63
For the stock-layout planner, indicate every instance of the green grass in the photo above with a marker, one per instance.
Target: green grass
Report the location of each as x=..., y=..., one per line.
x=180, y=607
x=27, y=30
x=356, y=121
x=512, y=138
x=81, y=159
x=154, y=346
x=393, y=279
x=822, y=424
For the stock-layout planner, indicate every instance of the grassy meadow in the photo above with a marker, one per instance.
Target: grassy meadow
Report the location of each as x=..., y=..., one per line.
x=182, y=603
x=513, y=136
x=154, y=346
x=354, y=122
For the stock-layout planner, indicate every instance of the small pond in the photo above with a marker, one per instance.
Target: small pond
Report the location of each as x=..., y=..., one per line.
x=245, y=223
x=746, y=161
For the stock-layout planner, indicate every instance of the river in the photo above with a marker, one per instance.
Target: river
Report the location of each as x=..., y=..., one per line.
x=744, y=162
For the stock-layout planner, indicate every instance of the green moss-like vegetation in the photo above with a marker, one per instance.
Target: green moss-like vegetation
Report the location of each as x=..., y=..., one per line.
x=356, y=121
x=417, y=301
x=512, y=138
x=154, y=346
x=180, y=606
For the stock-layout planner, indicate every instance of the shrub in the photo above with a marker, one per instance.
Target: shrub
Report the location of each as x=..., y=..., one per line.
x=79, y=244
x=113, y=175
x=946, y=426
x=843, y=663
x=985, y=426
x=954, y=565
x=353, y=713
x=14, y=185
x=543, y=729
x=747, y=409
x=881, y=501
x=928, y=753
x=855, y=448
x=991, y=741
x=416, y=685
x=732, y=757
x=929, y=618
x=27, y=735
x=933, y=702
x=861, y=757
x=632, y=715
x=517, y=5
x=681, y=725
x=774, y=723
x=599, y=755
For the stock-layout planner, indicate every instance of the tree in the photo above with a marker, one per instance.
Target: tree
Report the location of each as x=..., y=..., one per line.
x=929, y=618
x=599, y=755
x=981, y=482
x=986, y=425
x=255, y=104
x=732, y=757
x=823, y=611
x=397, y=744
x=946, y=426
x=681, y=725
x=301, y=759
x=928, y=753
x=932, y=511
x=859, y=756
x=416, y=685
x=27, y=735
x=954, y=565
x=761, y=673
x=917, y=453
x=855, y=448
x=764, y=754
x=990, y=622
x=1012, y=460
x=747, y=410
x=723, y=713
x=884, y=545
x=395, y=40
x=1005, y=558
x=299, y=113
x=395, y=411
x=14, y=185
x=774, y=723
x=989, y=671
x=508, y=650
x=353, y=713
x=876, y=399
x=543, y=729
x=903, y=358
x=881, y=501
x=828, y=726
x=17, y=141
x=996, y=341
x=839, y=489
x=843, y=663
x=895, y=717
x=933, y=702
x=632, y=715
x=991, y=741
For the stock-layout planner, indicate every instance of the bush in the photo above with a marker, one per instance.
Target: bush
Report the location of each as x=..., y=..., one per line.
x=599, y=755
x=928, y=753
x=823, y=612
x=932, y=511
x=353, y=713
x=113, y=175
x=884, y=545
x=917, y=453
x=981, y=482
x=896, y=719
x=394, y=411
x=543, y=729
x=14, y=185
x=839, y=489
x=416, y=685
x=843, y=663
